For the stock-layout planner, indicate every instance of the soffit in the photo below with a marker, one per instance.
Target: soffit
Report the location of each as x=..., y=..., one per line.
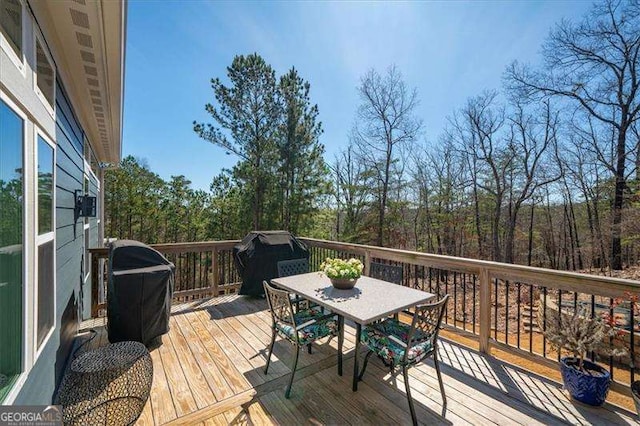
x=87, y=39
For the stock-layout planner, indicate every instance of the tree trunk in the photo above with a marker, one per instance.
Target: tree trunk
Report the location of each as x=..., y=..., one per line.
x=530, y=246
x=496, y=229
x=476, y=208
x=575, y=234
x=603, y=258
x=570, y=248
x=551, y=251
x=508, y=251
x=618, y=198
x=383, y=201
x=258, y=196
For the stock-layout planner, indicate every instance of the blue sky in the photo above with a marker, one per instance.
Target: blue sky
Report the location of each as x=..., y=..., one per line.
x=449, y=51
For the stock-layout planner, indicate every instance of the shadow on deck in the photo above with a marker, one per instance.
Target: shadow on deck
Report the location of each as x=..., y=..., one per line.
x=210, y=370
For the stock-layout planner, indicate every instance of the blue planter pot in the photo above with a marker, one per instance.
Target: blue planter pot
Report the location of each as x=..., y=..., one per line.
x=590, y=387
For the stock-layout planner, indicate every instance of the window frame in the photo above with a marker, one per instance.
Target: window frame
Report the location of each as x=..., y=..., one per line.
x=86, y=226
x=27, y=295
x=38, y=38
x=44, y=239
x=19, y=62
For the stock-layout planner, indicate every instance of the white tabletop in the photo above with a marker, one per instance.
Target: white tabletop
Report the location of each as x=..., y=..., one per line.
x=370, y=300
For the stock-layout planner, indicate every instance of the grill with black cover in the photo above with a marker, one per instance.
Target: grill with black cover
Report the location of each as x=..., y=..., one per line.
x=258, y=254
x=139, y=292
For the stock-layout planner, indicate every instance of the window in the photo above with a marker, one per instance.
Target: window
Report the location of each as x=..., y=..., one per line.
x=90, y=156
x=45, y=295
x=45, y=74
x=11, y=25
x=45, y=187
x=11, y=246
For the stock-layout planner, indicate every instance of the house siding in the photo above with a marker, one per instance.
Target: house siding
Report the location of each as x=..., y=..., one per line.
x=63, y=126
x=73, y=296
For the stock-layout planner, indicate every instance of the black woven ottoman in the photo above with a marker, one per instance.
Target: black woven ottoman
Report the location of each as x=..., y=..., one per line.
x=107, y=386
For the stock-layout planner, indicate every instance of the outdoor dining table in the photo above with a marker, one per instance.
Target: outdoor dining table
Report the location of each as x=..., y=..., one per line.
x=370, y=300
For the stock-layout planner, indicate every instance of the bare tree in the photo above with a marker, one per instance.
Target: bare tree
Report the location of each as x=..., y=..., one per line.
x=585, y=173
x=478, y=126
x=594, y=66
x=352, y=193
x=531, y=136
x=437, y=174
x=425, y=186
x=385, y=123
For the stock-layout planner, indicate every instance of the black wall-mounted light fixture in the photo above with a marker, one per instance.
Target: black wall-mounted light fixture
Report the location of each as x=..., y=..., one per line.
x=85, y=205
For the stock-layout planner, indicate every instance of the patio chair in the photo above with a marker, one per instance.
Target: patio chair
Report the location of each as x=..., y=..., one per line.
x=390, y=273
x=300, y=328
x=404, y=345
x=286, y=268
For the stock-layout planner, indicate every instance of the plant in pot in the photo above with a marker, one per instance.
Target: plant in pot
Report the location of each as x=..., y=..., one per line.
x=342, y=273
x=580, y=334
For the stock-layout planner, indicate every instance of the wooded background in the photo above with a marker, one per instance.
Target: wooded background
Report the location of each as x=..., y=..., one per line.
x=542, y=171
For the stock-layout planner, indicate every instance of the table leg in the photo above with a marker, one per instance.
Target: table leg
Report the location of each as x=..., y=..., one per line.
x=340, y=342
x=356, y=366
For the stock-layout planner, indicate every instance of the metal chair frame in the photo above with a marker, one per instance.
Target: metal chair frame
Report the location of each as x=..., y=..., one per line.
x=281, y=309
x=287, y=268
x=390, y=273
x=425, y=325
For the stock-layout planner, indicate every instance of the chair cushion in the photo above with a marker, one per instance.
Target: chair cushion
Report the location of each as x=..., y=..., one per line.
x=312, y=332
x=384, y=339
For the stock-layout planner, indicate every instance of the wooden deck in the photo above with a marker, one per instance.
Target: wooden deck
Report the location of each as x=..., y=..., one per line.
x=209, y=371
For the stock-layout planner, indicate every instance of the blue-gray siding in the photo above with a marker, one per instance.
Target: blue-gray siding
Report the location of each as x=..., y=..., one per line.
x=73, y=299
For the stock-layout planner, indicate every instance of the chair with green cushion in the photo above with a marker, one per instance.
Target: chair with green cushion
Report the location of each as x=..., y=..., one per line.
x=389, y=273
x=300, y=328
x=286, y=268
x=400, y=344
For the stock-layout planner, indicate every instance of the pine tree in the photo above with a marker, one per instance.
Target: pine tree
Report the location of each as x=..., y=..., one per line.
x=302, y=170
x=246, y=121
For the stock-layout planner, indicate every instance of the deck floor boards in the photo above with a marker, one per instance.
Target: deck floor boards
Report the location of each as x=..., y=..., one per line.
x=208, y=367
x=210, y=371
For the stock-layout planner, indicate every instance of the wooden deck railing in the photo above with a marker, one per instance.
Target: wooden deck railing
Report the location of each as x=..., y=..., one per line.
x=497, y=304
x=203, y=269
x=494, y=303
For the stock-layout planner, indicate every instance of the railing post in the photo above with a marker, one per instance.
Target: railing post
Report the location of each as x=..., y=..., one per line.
x=367, y=262
x=485, y=311
x=216, y=273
